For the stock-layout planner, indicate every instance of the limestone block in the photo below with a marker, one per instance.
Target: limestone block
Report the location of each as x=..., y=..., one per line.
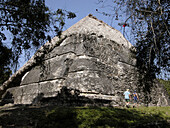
x=32, y=76
x=87, y=82
x=50, y=88
x=28, y=99
x=18, y=99
x=24, y=94
x=16, y=91
x=52, y=69
x=30, y=89
x=82, y=64
x=80, y=50
x=60, y=50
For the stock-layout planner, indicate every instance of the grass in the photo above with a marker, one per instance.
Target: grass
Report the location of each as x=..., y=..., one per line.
x=85, y=117
x=112, y=117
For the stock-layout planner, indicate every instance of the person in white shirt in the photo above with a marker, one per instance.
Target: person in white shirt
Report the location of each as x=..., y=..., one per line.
x=127, y=97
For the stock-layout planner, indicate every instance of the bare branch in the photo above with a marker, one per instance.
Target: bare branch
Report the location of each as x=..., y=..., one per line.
x=154, y=36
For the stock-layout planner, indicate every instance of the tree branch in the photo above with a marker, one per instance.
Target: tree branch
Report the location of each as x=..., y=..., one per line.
x=154, y=36
x=9, y=10
x=8, y=24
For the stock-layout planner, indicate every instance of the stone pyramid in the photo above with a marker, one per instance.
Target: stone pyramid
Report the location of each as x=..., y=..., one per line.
x=92, y=63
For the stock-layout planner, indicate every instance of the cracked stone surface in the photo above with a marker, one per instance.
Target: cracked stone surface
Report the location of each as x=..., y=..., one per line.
x=91, y=58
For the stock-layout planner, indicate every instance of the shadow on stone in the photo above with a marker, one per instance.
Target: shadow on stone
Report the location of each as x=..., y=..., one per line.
x=37, y=99
x=8, y=98
x=69, y=97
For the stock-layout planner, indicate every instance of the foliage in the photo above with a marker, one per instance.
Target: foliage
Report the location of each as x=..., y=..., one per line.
x=5, y=71
x=85, y=117
x=166, y=83
x=30, y=23
x=149, y=22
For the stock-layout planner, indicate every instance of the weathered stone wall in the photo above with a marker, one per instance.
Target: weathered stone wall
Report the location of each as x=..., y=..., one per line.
x=96, y=66
x=91, y=63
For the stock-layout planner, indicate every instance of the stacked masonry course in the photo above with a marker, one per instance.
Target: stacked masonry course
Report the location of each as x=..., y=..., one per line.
x=92, y=63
